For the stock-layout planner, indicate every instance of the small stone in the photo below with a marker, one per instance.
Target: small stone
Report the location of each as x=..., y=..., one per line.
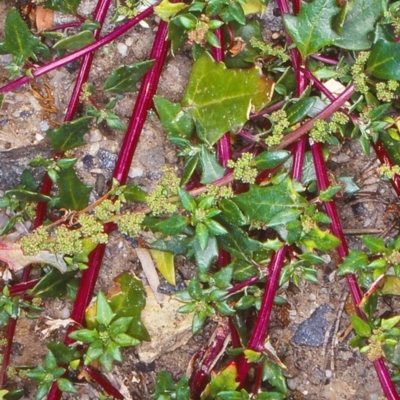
x=129, y=42
x=135, y=172
x=122, y=49
x=44, y=125
x=39, y=137
x=291, y=384
x=65, y=313
x=311, y=332
x=107, y=160
x=312, y=297
x=95, y=136
x=328, y=374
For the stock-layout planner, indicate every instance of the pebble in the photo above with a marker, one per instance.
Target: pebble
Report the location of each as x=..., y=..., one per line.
x=65, y=313
x=39, y=137
x=122, y=49
x=135, y=172
x=107, y=159
x=95, y=136
x=311, y=332
x=44, y=125
x=328, y=374
x=291, y=384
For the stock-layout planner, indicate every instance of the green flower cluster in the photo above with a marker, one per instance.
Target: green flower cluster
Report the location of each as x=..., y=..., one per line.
x=320, y=131
x=358, y=74
x=91, y=227
x=159, y=199
x=389, y=172
x=268, y=50
x=242, y=169
x=35, y=242
x=219, y=192
x=106, y=209
x=280, y=123
x=385, y=91
x=130, y=223
x=65, y=241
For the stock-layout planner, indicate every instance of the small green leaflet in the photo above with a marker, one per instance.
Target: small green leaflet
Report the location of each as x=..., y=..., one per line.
x=123, y=79
x=265, y=202
x=176, y=122
x=359, y=23
x=211, y=170
x=355, y=261
x=384, y=60
x=65, y=6
x=74, y=195
x=18, y=41
x=312, y=28
x=75, y=42
x=69, y=135
x=221, y=99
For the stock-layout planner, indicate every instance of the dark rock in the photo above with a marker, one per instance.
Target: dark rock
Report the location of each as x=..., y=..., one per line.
x=88, y=162
x=311, y=332
x=107, y=159
x=14, y=161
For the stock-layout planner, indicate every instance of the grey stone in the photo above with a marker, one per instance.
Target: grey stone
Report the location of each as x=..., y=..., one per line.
x=107, y=159
x=311, y=332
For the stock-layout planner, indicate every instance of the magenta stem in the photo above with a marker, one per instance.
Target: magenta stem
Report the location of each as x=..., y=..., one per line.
x=6, y=350
x=323, y=183
x=44, y=69
x=103, y=382
x=326, y=60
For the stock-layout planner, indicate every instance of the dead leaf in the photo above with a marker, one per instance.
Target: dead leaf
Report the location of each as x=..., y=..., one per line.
x=44, y=18
x=55, y=324
x=391, y=285
x=14, y=257
x=149, y=270
x=238, y=46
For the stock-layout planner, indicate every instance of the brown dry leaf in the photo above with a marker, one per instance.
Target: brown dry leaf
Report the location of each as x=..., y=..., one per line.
x=44, y=18
x=55, y=324
x=14, y=257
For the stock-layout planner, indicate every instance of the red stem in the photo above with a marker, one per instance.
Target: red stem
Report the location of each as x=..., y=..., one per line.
x=323, y=183
x=103, y=382
x=44, y=69
x=21, y=288
x=9, y=336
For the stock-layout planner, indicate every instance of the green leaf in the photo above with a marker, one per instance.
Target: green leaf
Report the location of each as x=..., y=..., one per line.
x=318, y=239
x=361, y=327
x=104, y=313
x=236, y=242
x=19, y=41
x=199, y=318
x=312, y=29
x=357, y=29
x=63, y=353
x=223, y=381
x=124, y=78
x=270, y=159
x=355, y=261
x=26, y=195
x=42, y=390
x=202, y=235
x=69, y=135
x=264, y=202
x=350, y=186
x=297, y=111
x=375, y=245
x=221, y=99
x=173, y=225
x=211, y=170
x=65, y=385
x=176, y=122
x=236, y=11
x=204, y=258
x=164, y=384
x=74, y=194
x=188, y=202
x=134, y=193
x=75, y=42
x=390, y=323
x=274, y=375
x=65, y=6
x=391, y=285
x=329, y=193
x=165, y=264
x=384, y=60
x=231, y=213
x=392, y=353
x=165, y=10
x=252, y=356
x=84, y=335
x=128, y=300
x=391, y=146
x=178, y=245
x=246, y=32
x=53, y=284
